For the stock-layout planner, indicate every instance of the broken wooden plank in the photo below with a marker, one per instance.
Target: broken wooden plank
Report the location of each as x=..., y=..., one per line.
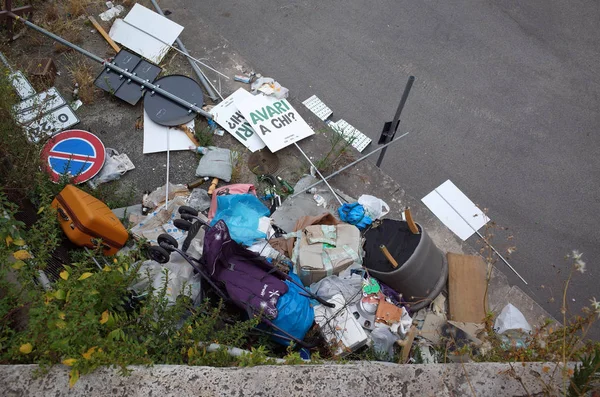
x=406, y=344
x=466, y=288
x=100, y=29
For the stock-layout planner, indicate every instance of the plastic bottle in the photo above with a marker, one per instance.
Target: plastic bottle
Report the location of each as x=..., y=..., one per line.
x=199, y=149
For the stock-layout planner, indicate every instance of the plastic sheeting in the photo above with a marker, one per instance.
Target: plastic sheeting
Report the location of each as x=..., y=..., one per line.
x=296, y=315
x=350, y=288
x=216, y=163
x=383, y=343
x=374, y=207
x=241, y=213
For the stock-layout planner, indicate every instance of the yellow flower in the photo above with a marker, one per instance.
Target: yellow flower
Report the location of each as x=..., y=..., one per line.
x=85, y=275
x=104, y=317
x=18, y=264
x=22, y=255
x=69, y=362
x=73, y=377
x=26, y=348
x=88, y=355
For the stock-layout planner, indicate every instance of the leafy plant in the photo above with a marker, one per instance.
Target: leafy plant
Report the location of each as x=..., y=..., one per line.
x=204, y=135
x=339, y=146
x=586, y=376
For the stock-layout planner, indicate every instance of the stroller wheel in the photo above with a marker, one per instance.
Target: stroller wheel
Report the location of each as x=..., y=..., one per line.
x=184, y=209
x=165, y=239
x=182, y=224
x=159, y=254
x=188, y=217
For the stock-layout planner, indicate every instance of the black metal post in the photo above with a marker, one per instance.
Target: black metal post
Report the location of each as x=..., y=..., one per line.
x=396, y=121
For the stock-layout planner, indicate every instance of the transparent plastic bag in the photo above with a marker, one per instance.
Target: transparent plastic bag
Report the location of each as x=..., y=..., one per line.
x=383, y=343
x=375, y=207
x=241, y=213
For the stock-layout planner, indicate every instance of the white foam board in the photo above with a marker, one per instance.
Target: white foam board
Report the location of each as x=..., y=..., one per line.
x=455, y=210
x=140, y=42
x=155, y=137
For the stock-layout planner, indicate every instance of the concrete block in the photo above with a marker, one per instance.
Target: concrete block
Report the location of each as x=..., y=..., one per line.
x=365, y=379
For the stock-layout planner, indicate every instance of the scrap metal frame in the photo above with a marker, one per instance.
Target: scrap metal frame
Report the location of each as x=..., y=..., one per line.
x=7, y=10
x=154, y=88
x=203, y=80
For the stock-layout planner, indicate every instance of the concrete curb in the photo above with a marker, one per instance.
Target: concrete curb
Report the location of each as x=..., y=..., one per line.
x=365, y=379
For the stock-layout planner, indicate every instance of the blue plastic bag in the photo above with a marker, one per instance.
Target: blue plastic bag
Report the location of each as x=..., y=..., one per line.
x=296, y=315
x=354, y=214
x=241, y=213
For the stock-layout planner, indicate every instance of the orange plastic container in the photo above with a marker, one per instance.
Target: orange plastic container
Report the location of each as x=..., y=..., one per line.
x=86, y=220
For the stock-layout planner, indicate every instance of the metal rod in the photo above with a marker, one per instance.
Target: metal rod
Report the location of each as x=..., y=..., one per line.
x=168, y=162
x=145, y=83
x=319, y=172
x=176, y=49
x=93, y=258
x=350, y=165
x=193, y=64
x=6, y=63
x=396, y=120
x=483, y=238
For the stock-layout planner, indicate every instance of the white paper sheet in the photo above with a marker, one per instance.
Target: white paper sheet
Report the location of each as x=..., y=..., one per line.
x=455, y=210
x=227, y=115
x=155, y=137
x=275, y=121
x=148, y=21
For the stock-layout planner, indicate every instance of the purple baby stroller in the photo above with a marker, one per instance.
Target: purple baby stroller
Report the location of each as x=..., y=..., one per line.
x=237, y=274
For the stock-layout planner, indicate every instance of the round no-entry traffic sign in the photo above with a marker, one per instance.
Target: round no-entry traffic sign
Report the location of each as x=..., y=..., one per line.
x=75, y=152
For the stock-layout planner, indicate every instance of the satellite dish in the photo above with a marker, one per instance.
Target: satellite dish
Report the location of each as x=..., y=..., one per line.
x=163, y=111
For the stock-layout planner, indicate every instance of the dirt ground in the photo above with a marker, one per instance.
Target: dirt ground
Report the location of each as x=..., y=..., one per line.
x=117, y=123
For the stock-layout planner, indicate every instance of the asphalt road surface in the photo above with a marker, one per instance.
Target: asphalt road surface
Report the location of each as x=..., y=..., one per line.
x=506, y=104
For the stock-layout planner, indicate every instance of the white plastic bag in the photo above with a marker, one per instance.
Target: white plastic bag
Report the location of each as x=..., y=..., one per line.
x=115, y=165
x=374, y=207
x=178, y=275
x=512, y=327
x=383, y=343
x=511, y=318
x=350, y=288
x=268, y=86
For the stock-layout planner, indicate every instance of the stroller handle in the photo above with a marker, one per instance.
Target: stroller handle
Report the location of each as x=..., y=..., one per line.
x=323, y=301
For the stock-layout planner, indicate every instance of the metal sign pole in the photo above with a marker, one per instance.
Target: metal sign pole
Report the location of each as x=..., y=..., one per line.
x=145, y=83
x=481, y=237
x=319, y=173
x=389, y=136
x=194, y=66
x=176, y=49
x=350, y=165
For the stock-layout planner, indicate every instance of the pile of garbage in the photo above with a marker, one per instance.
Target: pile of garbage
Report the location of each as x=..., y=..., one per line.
x=352, y=276
x=377, y=283
x=350, y=306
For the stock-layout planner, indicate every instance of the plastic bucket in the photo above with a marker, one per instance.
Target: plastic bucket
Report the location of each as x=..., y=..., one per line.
x=422, y=268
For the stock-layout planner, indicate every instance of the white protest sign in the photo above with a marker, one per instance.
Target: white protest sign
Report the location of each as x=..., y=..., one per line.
x=227, y=115
x=276, y=122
